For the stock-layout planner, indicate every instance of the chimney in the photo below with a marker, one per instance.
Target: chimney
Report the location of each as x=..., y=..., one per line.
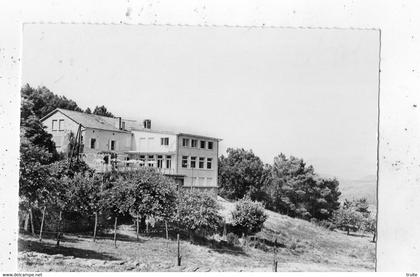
x=118, y=123
x=147, y=124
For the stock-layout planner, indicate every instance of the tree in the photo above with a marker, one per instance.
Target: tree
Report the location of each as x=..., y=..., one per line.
x=360, y=205
x=63, y=168
x=348, y=219
x=197, y=212
x=370, y=226
x=248, y=216
x=296, y=190
x=84, y=193
x=88, y=111
x=33, y=133
x=34, y=179
x=103, y=111
x=143, y=193
x=37, y=151
x=42, y=101
x=240, y=173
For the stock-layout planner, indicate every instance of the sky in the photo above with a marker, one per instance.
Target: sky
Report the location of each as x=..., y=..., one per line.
x=310, y=93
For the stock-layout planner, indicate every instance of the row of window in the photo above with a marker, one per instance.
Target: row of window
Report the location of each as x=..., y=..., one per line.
x=57, y=125
x=186, y=142
x=112, y=144
x=161, y=161
x=192, y=162
x=163, y=141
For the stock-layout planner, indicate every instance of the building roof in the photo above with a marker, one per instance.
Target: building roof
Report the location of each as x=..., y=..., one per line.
x=89, y=120
x=110, y=123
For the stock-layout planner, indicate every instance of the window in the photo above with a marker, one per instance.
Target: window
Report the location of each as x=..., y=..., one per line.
x=192, y=162
x=159, y=161
x=184, y=161
x=54, y=125
x=92, y=143
x=164, y=141
x=210, y=145
x=202, y=144
x=143, y=159
x=113, y=144
x=151, y=160
x=168, y=161
x=186, y=142
x=201, y=162
x=209, y=160
x=123, y=125
x=61, y=125
x=194, y=143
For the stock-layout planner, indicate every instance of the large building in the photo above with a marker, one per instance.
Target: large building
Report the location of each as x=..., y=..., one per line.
x=191, y=160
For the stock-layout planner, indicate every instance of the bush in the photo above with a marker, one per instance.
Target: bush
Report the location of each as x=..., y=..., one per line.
x=348, y=219
x=232, y=239
x=248, y=217
x=197, y=212
x=143, y=193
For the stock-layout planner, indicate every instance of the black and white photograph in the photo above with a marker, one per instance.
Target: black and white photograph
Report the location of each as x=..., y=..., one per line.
x=166, y=148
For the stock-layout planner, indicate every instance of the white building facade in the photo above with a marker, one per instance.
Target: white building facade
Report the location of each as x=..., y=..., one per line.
x=191, y=160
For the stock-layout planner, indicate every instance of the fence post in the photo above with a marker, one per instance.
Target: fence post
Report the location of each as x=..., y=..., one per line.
x=58, y=230
x=275, y=256
x=115, y=232
x=179, y=256
x=137, y=227
x=166, y=229
x=42, y=223
x=224, y=230
x=32, y=221
x=94, y=229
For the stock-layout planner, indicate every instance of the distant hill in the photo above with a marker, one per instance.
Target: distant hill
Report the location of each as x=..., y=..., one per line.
x=359, y=188
x=350, y=189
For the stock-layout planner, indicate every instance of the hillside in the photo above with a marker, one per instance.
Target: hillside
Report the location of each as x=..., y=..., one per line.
x=315, y=245
x=304, y=247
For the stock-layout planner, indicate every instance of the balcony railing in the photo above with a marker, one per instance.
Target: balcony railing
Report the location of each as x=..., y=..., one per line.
x=122, y=166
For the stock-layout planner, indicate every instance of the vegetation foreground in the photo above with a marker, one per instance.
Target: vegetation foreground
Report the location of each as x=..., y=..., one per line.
x=304, y=246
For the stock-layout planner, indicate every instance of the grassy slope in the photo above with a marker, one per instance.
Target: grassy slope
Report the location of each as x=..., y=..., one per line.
x=314, y=244
x=306, y=248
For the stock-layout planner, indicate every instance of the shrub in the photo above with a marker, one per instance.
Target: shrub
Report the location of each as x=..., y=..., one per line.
x=232, y=239
x=197, y=212
x=144, y=193
x=348, y=219
x=248, y=216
